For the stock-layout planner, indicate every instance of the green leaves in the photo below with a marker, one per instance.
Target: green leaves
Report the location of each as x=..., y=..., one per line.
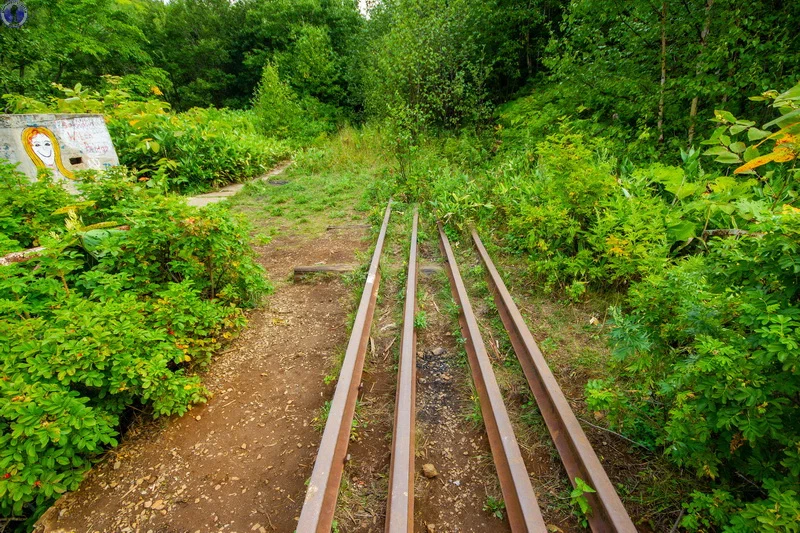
x=755, y=134
x=725, y=154
x=728, y=158
x=737, y=147
x=682, y=231
x=99, y=322
x=787, y=146
x=578, y=498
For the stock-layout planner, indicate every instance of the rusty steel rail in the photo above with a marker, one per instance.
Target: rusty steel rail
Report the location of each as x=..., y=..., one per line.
x=608, y=513
x=323, y=488
x=523, y=509
x=400, y=502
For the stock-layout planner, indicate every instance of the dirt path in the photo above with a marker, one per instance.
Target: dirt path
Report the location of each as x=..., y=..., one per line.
x=238, y=463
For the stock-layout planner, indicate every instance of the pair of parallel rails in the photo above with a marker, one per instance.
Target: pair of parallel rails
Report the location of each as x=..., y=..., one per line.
x=579, y=459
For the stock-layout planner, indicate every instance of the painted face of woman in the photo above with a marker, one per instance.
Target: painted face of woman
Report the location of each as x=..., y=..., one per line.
x=43, y=147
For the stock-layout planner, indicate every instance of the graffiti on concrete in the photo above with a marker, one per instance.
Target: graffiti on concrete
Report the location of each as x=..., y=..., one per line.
x=42, y=147
x=62, y=144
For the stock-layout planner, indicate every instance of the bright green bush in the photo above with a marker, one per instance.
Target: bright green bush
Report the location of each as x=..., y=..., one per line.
x=279, y=112
x=275, y=105
x=562, y=202
x=24, y=217
x=197, y=150
x=134, y=291
x=708, y=349
x=709, y=355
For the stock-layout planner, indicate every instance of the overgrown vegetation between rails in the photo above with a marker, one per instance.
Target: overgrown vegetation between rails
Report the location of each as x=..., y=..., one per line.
x=133, y=292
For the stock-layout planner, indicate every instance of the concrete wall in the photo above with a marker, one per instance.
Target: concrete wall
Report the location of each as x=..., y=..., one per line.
x=63, y=143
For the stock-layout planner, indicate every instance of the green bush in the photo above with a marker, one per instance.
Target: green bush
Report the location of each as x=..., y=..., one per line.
x=198, y=149
x=279, y=112
x=708, y=350
x=563, y=202
x=709, y=360
x=24, y=217
x=275, y=105
x=133, y=291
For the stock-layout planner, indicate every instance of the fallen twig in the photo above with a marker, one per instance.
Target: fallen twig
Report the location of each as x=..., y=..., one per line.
x=677, y=523
x=613, y=433
x=386, y=351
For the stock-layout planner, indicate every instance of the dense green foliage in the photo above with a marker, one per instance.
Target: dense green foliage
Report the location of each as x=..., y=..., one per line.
x=441, y=63
x=608, y=63
x=647, y=72
x=132, y=290
x=706, y=344
x=198, y=52
x=639, y=147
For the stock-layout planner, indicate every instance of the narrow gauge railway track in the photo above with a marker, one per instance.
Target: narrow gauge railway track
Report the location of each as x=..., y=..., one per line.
x=579, y=459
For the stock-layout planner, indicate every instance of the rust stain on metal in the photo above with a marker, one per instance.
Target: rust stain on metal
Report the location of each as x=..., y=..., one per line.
x=400, y=502
x=608, y=513
x=523, y=509
x=323, y=488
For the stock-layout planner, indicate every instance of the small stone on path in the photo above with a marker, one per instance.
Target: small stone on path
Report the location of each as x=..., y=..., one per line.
x=429, y=471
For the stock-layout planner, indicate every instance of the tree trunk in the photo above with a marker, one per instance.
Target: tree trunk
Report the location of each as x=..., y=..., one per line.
x=60, y=72
x=528, y=52
x=663, y=71
x=703, y=40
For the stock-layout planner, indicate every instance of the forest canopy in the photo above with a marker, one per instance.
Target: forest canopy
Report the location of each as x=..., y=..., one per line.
x=649, y=72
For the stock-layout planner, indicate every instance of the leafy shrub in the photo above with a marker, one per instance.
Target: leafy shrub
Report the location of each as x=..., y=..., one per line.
x=132, y=292
x=279, y=112
x=562, y=202
x=275, y=105
x=714, y=356
x=198, y=149
x=23, y=217
x=427, y=63
x=707, y=353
